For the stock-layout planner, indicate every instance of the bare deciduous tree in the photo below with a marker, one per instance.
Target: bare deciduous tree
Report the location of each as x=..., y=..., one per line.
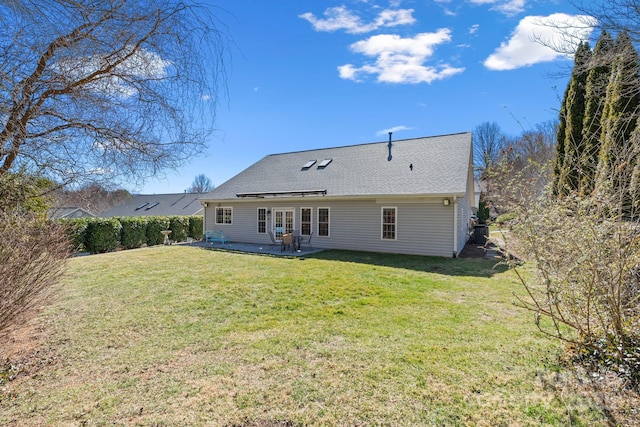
x=93, y=197
x=201, y=184
x=488, y=142
x=613, y=15
x=118, y=88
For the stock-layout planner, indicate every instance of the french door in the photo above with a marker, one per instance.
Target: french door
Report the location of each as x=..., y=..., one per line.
x=282, y=222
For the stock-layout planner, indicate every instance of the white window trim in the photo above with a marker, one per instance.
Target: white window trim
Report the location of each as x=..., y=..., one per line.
x=395, y=233
x=310, y=219
x=215, y=215
x=318, y=222
x=266, y=220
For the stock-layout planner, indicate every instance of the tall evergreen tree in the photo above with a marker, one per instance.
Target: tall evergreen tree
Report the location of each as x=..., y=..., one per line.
x=569, y=151
x=617, y=155
x=558, y=171
x=634, y=187
x=597, y=80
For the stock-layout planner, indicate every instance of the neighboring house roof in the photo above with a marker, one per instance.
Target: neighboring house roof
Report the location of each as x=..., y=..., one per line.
x=429, y=166
x=69, y=212
x=158, y=205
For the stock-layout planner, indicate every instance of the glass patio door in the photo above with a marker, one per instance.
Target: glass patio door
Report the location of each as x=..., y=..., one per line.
x=282, y=222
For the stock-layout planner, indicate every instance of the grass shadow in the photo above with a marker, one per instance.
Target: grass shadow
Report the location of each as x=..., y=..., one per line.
x=475, y=267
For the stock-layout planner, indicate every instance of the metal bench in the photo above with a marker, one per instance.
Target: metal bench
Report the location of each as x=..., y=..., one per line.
x=213, y=236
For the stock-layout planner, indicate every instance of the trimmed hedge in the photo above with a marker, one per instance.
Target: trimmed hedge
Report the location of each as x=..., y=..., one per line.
x=102, y=235
x=196, y=227
x=97, y=235
x=77, y=232
x=134, y=232
x=156, y=224
x=179, y=226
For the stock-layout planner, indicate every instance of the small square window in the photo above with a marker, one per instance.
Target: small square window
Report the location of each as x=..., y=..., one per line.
x=224, y=215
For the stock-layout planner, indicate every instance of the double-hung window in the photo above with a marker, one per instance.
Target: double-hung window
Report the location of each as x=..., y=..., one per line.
x=389, y=223
x=323, y=222
x=262, y=220
x=224, y=215
x=305, y=221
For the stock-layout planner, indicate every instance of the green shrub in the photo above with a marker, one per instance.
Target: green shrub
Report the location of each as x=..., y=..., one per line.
x=196, y=225
x=77, y=232
x=179, y=226
x=102, y=235
x=483, y=212
x=155, y=224
x=134, y=232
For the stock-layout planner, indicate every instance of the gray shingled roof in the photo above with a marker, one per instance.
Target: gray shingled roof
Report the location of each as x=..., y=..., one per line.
x=440, y=166
x=69, y=212
x=167, y=205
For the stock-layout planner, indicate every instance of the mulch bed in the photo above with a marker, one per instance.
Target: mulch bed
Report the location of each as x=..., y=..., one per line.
x=475, y=250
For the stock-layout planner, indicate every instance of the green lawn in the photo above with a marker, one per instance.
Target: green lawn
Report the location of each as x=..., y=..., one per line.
x=185, y=336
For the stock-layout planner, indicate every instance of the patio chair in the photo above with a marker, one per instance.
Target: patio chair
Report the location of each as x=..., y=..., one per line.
x=297, y=239
x=287, y=240
x=307, y=241
x=274, y=241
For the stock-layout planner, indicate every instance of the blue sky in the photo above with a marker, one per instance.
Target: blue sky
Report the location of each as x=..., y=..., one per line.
x=306, y=75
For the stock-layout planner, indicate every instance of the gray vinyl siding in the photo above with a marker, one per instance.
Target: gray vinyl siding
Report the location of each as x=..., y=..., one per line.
x=422, y=227
x=464, y=215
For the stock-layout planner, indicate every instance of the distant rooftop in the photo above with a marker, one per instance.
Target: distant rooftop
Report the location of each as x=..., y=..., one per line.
x=186, y=204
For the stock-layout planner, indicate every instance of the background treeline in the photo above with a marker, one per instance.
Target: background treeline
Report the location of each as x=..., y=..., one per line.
x=98, y=235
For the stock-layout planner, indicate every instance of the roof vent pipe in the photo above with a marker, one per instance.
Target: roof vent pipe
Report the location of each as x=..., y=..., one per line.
x=389, y=158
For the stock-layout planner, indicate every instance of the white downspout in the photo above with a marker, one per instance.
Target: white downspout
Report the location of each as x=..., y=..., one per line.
x=455, y=226
x=204, y=217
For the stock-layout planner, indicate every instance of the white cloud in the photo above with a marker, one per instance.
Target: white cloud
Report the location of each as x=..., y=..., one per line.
x=507, y=7
x=400, y=60
x=340, y=18
x=393, y=129
x=474, y=28
x=541, y=39
x=512, y=7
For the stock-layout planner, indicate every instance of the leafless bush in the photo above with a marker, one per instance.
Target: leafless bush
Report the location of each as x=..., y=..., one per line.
x=586, y=256
x=32, y=259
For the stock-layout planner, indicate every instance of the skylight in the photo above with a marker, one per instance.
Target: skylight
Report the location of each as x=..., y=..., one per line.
x=142, y=206
x=323, y=164
x=152, y=205
x=308, y=164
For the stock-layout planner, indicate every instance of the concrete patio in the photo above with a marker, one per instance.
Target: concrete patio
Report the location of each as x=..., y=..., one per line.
x=256, y=248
